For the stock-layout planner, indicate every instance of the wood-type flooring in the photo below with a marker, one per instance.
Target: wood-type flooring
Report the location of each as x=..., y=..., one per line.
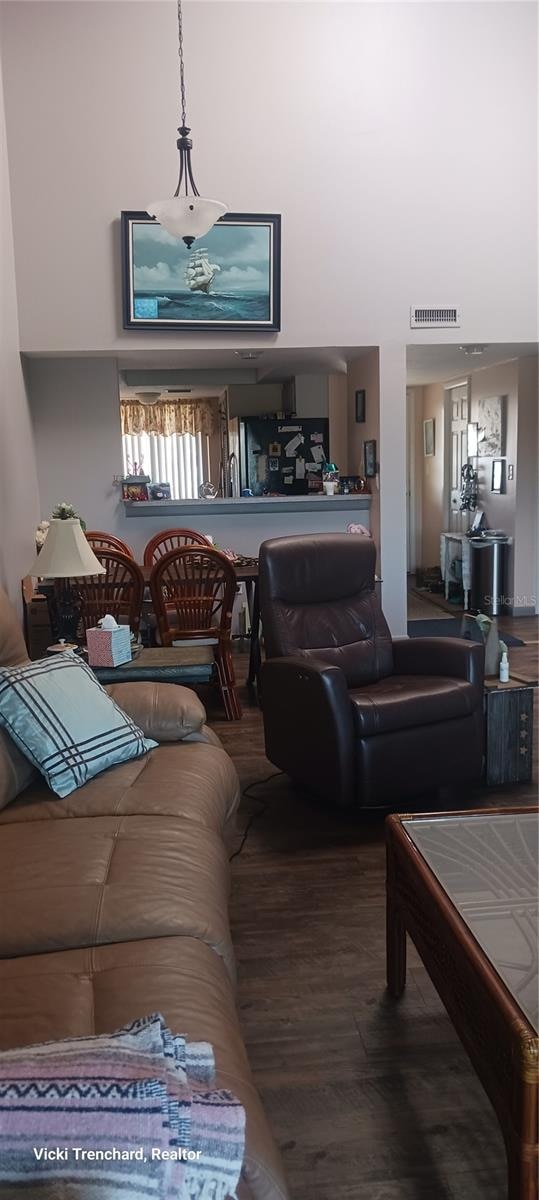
x=369, y=1098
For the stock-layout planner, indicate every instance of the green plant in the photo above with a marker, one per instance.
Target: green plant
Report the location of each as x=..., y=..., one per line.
x=66, y=512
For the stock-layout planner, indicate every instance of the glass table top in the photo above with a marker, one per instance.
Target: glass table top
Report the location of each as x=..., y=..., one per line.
x=487, y=863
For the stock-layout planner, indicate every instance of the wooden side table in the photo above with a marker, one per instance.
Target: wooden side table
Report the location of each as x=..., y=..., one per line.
x=508, y=732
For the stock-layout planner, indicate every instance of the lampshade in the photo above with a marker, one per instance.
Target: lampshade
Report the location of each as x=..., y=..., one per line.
x=187, y=216
x=66, y=554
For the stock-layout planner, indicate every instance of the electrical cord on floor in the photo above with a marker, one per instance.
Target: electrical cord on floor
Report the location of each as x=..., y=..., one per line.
x=247, y=792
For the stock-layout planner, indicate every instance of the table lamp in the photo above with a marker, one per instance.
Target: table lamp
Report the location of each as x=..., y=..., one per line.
x=66, y=555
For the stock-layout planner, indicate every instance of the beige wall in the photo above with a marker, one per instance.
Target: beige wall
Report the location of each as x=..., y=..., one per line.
x=19, y=505
x=433, y=517
x=92, y=88
x=338, y=420
x=364, y=372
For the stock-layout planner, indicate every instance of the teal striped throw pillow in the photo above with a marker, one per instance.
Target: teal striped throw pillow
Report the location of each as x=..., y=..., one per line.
x=64, y=722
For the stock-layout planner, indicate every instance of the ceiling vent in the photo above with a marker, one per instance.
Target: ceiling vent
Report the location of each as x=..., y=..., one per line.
x=434, y=318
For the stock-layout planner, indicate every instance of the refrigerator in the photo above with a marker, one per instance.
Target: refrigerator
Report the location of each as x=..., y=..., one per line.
x=283, y=457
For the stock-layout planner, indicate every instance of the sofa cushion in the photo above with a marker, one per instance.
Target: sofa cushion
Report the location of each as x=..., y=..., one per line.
x=167, y=712
x=194, y=782
x=96, y=880
x=81, y=992
x=404, y=701
x=63, y=721
x=16, y=772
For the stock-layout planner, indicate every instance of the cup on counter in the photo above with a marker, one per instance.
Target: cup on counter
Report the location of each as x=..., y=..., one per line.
x=329, y=487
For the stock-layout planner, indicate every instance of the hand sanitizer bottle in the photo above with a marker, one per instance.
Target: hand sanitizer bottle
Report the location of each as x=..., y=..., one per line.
x=504, y=668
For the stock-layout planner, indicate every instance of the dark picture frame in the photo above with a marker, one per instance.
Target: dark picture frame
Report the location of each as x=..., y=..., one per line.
x=159, y=275
x=360, y=405
x=498, y=476
x=369, y=457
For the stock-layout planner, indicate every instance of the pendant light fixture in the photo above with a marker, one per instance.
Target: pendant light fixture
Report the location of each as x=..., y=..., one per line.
x=188, y=215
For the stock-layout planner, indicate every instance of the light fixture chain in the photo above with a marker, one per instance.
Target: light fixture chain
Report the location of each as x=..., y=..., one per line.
x=180, y=56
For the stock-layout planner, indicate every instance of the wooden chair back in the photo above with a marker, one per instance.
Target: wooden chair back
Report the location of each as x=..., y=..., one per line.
x=193, y=591
x=107, y=541
x=118, y=592
x=171, y=539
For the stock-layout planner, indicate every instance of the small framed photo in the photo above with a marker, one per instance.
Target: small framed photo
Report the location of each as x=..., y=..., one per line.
x=360, y=405
x=428, y=437
x=369, y=457
x=135, y=491
x=498, y=475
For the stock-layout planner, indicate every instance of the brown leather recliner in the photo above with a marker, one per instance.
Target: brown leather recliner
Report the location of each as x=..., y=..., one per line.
x=355, y=717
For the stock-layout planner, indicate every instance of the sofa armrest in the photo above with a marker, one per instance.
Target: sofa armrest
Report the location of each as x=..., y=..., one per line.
x=166, y=712
x=452, y=657
x=308, y=725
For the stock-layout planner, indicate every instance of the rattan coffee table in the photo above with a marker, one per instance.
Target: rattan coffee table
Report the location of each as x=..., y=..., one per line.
x=464, y=887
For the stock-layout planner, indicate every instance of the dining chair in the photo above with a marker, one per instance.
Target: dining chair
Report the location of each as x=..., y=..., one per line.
x=171, y=539
x=192, y=590
x=118, y=592
x=107, y=541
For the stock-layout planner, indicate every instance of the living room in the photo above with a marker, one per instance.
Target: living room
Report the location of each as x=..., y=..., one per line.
x=392, y=146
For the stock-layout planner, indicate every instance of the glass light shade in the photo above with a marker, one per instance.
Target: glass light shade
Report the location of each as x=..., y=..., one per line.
x=148, y=398
x=66, y=554
x=187, y=216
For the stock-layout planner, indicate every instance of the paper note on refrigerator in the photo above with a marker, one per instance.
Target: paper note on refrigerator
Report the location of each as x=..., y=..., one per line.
x=292, y=446
x=300, y=468
x=318, y=453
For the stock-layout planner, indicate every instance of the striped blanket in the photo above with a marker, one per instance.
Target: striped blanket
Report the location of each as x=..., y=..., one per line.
x=123, y=1116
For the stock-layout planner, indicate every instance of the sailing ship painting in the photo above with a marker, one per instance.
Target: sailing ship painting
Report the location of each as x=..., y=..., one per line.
x=200, y=272
x=231, y=280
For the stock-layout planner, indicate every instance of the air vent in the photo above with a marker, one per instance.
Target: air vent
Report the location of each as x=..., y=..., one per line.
x=434, y=318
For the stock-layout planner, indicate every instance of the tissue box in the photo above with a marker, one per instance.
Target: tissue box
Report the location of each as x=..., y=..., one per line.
x=109, y=647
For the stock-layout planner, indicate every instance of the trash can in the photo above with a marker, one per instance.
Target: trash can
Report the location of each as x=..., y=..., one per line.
x=488, y=573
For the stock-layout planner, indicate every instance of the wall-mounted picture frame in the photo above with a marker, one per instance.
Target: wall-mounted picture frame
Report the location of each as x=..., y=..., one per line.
x=472, y=443
x=228, y=280
x=360, y=405
x=491, y=421
x=369, y=458
x=498, y=475
x=429, y=447
x=134, y=491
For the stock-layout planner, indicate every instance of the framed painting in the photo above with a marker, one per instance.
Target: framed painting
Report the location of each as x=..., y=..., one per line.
x=428, y=437
x=360, y=405
x=369, y=458
x=230, y=279
x=491, y=426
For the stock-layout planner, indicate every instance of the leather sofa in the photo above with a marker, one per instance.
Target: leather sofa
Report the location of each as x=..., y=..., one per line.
x=355, y=717
x=113, y=901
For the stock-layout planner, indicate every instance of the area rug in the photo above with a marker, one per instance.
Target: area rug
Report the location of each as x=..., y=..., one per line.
x=451, y=628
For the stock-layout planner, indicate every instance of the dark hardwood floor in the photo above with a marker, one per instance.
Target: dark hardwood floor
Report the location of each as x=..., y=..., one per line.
x=369, y=1098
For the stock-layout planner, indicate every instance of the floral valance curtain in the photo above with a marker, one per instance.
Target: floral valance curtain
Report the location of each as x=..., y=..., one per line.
x=167, y=417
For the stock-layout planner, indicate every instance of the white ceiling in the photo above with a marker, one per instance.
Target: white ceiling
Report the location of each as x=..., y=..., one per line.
x=436, y=364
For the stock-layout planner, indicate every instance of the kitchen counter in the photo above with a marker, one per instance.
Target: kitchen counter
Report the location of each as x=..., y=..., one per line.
x=246, y=505
x=244, y=523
